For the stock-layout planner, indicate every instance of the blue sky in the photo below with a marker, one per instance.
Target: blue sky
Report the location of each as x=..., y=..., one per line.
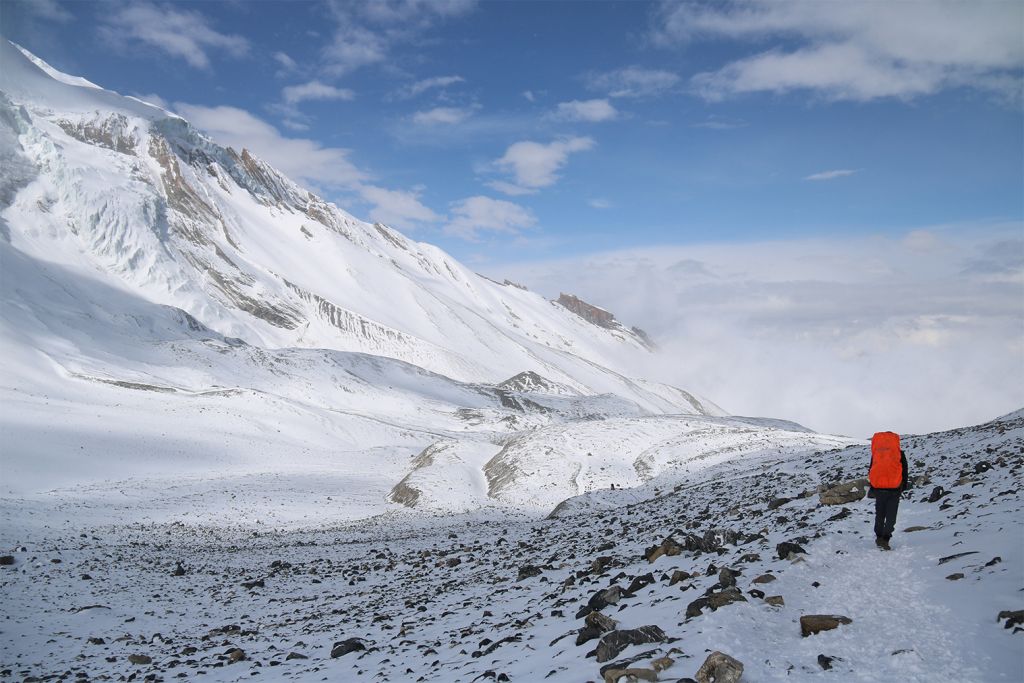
x=511, y=131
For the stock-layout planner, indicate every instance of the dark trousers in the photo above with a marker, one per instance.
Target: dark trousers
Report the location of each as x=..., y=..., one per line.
x=887, y=503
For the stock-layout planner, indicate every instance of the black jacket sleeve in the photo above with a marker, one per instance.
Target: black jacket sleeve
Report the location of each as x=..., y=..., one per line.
x=906, y=473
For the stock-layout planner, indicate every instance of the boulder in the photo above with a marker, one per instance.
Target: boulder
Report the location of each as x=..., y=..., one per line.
x=614, y=642
x=816, y=623
x=847, y=492
x=140, y=659
x=720, y=668
x=343, y=647
x=527, y=571
x=775, y=601
x=787, y=548
x=614, y=675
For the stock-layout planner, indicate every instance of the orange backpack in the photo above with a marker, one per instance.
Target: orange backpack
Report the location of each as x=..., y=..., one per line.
x=886, y=468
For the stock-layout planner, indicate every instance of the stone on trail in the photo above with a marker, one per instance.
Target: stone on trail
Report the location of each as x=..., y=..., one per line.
x=140, y=659
x=816, y=623
x=720, y=668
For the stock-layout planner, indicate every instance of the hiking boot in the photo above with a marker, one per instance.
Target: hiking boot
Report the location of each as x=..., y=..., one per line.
x=884, y=544
x=879, y=541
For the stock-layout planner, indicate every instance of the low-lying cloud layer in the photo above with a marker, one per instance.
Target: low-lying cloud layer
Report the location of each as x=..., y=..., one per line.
x=852, y=336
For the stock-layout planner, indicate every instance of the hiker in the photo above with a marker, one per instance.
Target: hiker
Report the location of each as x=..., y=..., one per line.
x=888, y=477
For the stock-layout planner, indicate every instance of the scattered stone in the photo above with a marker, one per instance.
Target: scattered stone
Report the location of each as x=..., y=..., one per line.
x=614, y=642
x=527, y=571
x=946, y=559
x=178, y=570
x=6, y=560
x=668, y=547
x=727, y=577
x=235, y=655
x=613, y=675
x=249, y=585
x=787, y=548
x=937, y=494
x=816, y=623
x=994, y=561
x=842, y=514
x=140, y=659
x=955, y=577
x=677, y=576
x=1012, y=618
x=295, y=655
x=639, y=582
x=720, y=668
x=911, y=529
x=764, y=578
x=343, y=647
x=601, y=622
x=847, y=492
x=825, y=662
x=775, y=601
x=778, y=502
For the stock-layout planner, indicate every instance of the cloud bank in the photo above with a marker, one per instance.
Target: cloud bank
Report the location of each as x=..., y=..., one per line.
x=914, y=333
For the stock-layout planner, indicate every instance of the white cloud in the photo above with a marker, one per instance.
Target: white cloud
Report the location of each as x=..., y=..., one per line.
x=442, y=116
x=287, y=63
x=586, y=110
x=301, y=159
x=397, y=208
x=474, y=215
x=809, y=329
x=315, y=90
x=530, y=97
x=535, y=165
x=177, y=32
x=49, y=10
x=422, y=86
x=854, y=50
x=366, y=32
x=633, y=81
x=599, y=203
x=831, y=175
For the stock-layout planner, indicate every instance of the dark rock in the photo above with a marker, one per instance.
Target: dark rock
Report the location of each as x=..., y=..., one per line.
x=946, y=559
x=825, y=662
x=6, y=560
x=1012, y=618
x=764, y=578
x=775, y=601
x=727, y=577
x=178, y=570
x=603, y=598
x=343, y=647
x=639, y=582
x=588, y=633
x=236, y=655
x=778, y=502
x=527, y=571
x=955, y=577
x=140, y=659
x=295, y=655
x=720, y=668
x=842, y=514
x=601, y=622
x=816, y=623
x=677, y=576
x=614, y=642
x=667, y=547
x=983, y=466
x=249, y=585
x=624, y=663
x=787, y=548
x=994, y=561
x=937, y=494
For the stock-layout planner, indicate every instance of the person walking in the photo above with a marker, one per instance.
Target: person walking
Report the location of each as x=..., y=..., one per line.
x=889, y=478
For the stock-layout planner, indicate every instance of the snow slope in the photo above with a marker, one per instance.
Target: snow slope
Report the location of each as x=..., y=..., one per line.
x=458, y=599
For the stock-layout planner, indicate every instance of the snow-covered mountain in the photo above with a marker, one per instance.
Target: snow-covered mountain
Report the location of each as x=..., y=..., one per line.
x=180, y=314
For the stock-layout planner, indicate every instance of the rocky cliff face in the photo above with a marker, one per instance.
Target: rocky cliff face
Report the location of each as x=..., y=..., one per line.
x=600, y=317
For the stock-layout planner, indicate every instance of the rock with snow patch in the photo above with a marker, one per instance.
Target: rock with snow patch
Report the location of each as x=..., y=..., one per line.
x=720, y=668
x=811, y=624
x=344, y=647
x=788, y=548
x=614, y=642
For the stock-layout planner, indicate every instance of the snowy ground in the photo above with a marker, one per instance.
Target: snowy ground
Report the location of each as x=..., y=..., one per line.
x=441, y=598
